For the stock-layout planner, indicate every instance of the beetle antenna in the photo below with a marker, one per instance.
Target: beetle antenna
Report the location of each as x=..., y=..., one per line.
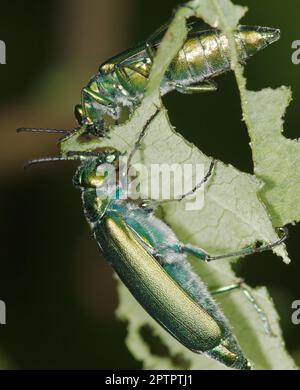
x=40, y=130
x=82, y=154
x=142, y=135
x=44, y=160
x=71, y=155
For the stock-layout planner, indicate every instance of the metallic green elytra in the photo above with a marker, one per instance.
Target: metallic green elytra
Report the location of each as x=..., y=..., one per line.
x=152, y=262
x=122, y=80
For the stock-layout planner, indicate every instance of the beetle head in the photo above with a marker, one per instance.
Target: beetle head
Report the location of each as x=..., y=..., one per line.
x=94, y=171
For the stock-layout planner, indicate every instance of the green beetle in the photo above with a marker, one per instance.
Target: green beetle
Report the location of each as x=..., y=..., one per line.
x=152, y=262
x=122, y=80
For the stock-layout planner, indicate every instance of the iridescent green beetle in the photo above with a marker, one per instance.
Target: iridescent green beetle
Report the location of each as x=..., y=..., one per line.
x=122, y=80
x=152, y=262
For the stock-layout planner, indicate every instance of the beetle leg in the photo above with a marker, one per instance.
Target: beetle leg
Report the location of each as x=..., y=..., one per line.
x=226, y=289
x=207, y=86
x=150, y=52
x=251, y=250
x=242, y=286
x=202, y=255
x=100, y=99
x=195, y=189
x=123, y=78
x=202, y=182
x=141, y=136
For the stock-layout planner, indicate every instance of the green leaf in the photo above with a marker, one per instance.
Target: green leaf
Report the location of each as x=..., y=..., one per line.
x=232, y=218
x=276, y=158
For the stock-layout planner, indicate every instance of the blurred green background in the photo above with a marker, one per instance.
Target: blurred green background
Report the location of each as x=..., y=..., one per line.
x=59, y=292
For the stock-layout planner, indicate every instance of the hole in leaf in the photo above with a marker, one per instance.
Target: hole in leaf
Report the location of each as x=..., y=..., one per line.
x=213, y=122
x=159, y=349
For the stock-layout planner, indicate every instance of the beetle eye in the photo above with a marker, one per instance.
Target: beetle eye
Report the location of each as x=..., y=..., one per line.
x=96, y=181
x=96, y=178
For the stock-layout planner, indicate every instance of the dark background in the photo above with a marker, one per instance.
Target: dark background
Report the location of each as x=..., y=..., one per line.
x=59, y=292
